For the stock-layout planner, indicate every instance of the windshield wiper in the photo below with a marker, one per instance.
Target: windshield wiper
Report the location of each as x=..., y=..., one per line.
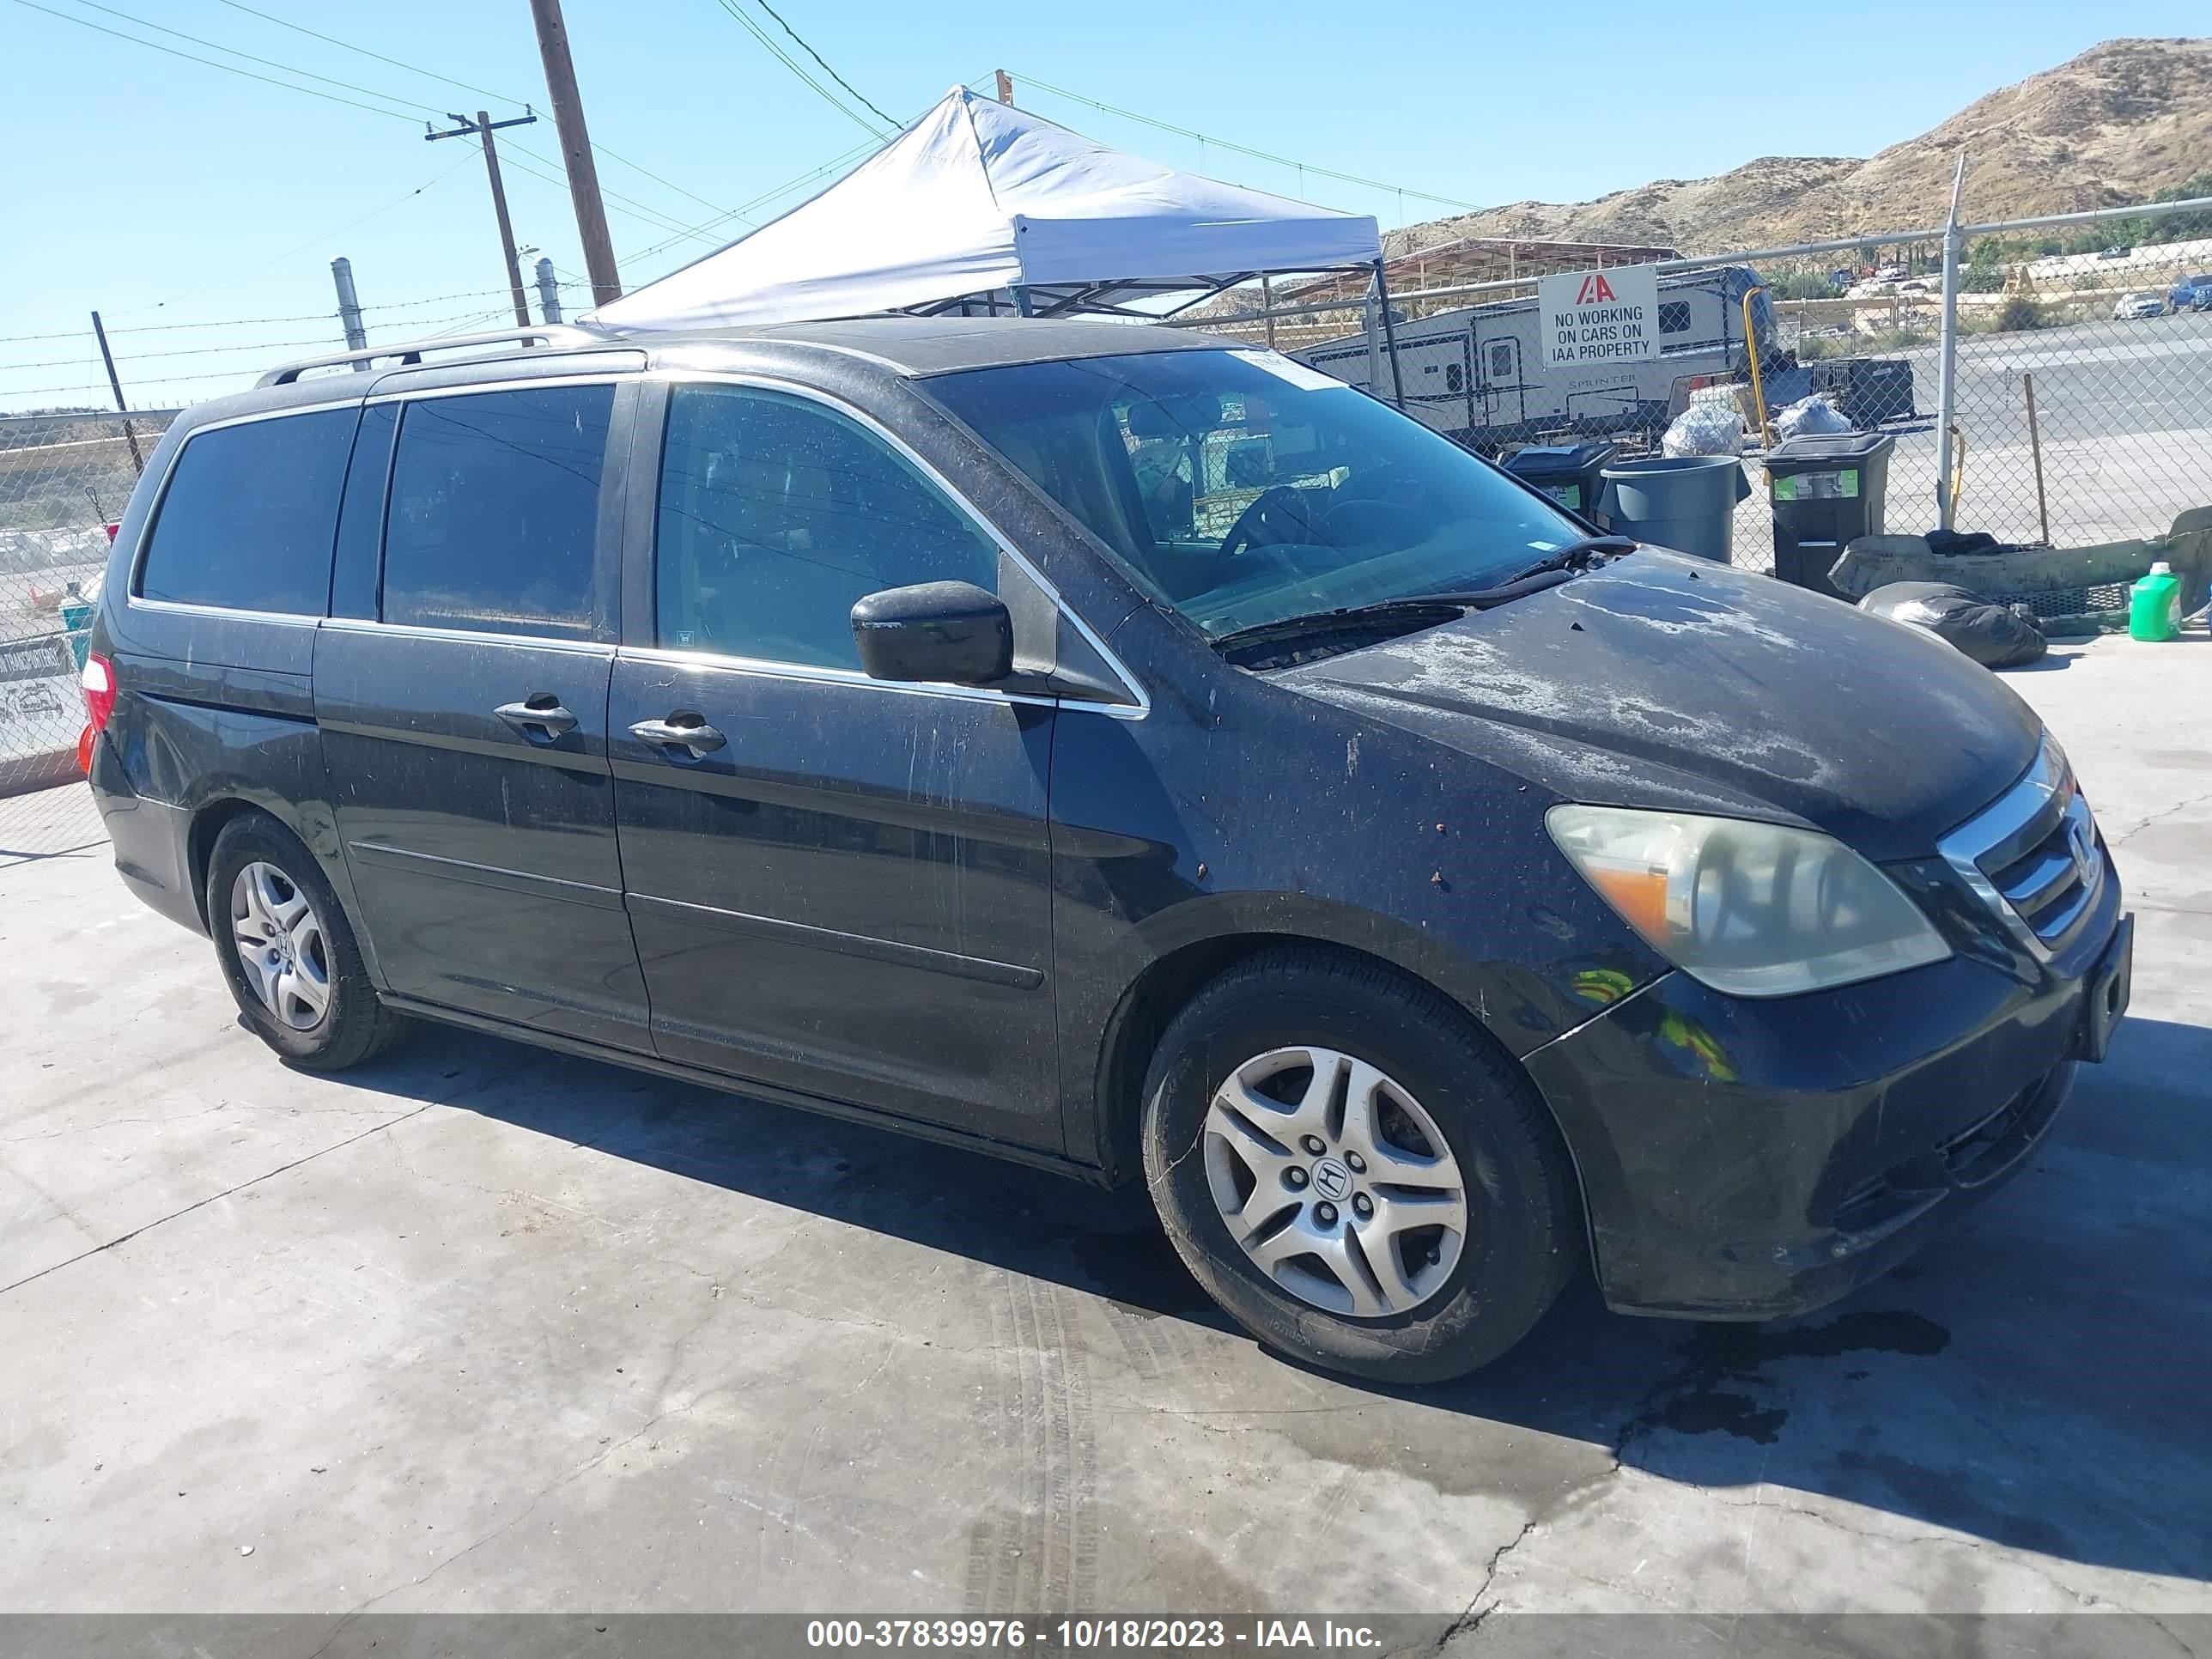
x=1576, y=554
x=1561, y=565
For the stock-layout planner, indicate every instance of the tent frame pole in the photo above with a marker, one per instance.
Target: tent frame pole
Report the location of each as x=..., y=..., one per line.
x=1389, y=336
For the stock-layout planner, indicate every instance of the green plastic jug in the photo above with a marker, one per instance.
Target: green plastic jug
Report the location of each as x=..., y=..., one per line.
x=2154, y=605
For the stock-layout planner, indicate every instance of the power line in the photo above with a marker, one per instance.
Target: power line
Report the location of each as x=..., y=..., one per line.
x=791, y=63
x=331, y=40
x=635, y=209
x=231, y=69
x=447, y=80
x=819, y=58
x=705, y=228
x=268, y=63
x=223, y=282
x=1303, y=167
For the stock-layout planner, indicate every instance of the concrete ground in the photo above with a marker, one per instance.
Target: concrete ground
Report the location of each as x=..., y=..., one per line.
x=483, y=1329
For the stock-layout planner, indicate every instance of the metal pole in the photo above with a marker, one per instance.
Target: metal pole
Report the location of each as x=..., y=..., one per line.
x=130, y=433
x=1005, y=86
x=1390, y=335
x=576, y=150
x=1267, y=305
x=1948, y=365
x=350, y=310
x=549, y=292
x=1374, y=341
x=2035, y=450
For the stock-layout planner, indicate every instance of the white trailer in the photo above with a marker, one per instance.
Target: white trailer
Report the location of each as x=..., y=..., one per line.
x=1478, y=375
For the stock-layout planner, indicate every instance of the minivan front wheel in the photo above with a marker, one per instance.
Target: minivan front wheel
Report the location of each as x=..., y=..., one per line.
x=1354, y=1172
x=288, y=952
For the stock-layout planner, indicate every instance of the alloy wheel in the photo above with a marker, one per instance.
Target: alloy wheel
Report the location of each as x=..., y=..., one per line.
x=1335, y=1182
x=281, y=945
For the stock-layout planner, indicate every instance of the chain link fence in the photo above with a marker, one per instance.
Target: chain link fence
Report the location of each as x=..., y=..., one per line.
x=2081, y=351
x=63, y=479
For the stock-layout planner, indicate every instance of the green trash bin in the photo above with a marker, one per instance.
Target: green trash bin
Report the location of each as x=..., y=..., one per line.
x=1826, y=493
x=1686, y=502
x=77, y=621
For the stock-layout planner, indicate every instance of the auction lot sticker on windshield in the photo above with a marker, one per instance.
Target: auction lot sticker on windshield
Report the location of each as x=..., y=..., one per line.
x=1599, y=316
x=1306, y=380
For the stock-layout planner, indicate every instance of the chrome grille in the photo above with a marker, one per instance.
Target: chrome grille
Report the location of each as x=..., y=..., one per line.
x=2032, y=855
x=2049, y=885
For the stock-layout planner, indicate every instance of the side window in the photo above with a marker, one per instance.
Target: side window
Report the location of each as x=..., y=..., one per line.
x=1673, y=316
x=775, y=514
x=250, y=514
x=1501, y=361
x=494, y=514
x=1454, y=378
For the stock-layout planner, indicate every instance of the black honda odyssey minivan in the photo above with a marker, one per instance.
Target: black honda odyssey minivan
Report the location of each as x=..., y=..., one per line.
x=1127, y=752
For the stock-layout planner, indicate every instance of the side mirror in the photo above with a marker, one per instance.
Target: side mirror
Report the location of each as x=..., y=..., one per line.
x=950, y=632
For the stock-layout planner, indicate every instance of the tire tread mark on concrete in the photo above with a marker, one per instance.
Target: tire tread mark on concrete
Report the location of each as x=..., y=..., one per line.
x=1042, y=1555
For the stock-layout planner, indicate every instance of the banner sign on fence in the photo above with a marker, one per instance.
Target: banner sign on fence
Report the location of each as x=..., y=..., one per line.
x=41, y=707
x=1599, y=316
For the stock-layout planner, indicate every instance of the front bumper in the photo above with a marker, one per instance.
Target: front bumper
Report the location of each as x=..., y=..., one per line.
x=1746, y=1159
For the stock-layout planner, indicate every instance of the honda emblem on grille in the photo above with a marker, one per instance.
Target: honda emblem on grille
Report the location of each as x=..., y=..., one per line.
x=2080, y=841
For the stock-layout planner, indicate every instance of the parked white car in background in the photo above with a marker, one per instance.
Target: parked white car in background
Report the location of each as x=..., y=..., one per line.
x=2133, y=305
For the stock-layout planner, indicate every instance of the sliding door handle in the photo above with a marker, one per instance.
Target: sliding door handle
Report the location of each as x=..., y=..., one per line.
x=541, y=718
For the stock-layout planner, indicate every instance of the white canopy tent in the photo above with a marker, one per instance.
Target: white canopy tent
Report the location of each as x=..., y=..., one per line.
x=980, y=206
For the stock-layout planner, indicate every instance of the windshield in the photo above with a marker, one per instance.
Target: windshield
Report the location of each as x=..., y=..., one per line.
x=1242, y=488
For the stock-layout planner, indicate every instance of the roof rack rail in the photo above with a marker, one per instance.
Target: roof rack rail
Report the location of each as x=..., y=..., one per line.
x=549, y=334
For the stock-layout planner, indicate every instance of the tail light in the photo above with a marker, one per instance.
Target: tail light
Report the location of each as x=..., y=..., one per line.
x=84, y=750
x=99, y=683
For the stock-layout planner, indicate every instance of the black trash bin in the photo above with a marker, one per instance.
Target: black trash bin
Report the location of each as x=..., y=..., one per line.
x=1565, y=472
x=1826, y=492
x=1868, y=391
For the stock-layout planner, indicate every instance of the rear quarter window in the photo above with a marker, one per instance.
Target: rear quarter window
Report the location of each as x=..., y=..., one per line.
x=250, y=516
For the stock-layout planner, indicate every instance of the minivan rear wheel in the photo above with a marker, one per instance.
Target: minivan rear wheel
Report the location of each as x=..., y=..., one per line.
x=1352, y=1169
x=288, y=951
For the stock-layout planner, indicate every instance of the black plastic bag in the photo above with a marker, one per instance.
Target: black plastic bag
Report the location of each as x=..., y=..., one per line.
x=1994, y=635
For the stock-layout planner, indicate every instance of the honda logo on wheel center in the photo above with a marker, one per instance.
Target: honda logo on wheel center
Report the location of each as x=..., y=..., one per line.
x=1331, y=1180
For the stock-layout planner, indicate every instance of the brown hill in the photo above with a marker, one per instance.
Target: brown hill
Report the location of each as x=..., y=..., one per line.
x=2118, y=125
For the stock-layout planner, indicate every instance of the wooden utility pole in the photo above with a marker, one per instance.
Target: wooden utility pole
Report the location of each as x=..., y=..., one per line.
x=576, y=150
x=485, y=126
x=1005, y=86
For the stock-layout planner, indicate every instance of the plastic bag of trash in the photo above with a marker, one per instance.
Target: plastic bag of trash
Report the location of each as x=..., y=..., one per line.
x=1704, y=429
x=1994, y=635
x=1811, y=417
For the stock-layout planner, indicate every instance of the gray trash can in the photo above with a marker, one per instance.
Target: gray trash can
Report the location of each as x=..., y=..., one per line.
x=1687, y=502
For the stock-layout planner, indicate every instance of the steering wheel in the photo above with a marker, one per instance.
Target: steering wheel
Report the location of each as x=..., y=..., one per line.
x=1278, y=514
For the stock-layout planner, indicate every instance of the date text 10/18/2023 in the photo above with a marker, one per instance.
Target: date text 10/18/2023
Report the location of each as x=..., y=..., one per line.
x=1251, y=1634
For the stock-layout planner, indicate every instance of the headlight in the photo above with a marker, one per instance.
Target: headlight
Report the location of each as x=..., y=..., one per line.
x=1752, y=909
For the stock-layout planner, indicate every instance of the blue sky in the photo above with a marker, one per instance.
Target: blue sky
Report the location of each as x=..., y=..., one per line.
x=167, y=193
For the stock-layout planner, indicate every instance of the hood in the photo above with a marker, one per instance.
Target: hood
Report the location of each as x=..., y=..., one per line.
x=1668, y=682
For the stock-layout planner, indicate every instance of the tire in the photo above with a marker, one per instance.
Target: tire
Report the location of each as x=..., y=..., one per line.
x=258, y=876
x=1385, y=1296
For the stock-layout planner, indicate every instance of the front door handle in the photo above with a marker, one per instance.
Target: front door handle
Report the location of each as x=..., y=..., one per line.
x=540, y=717
x=689, y=732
